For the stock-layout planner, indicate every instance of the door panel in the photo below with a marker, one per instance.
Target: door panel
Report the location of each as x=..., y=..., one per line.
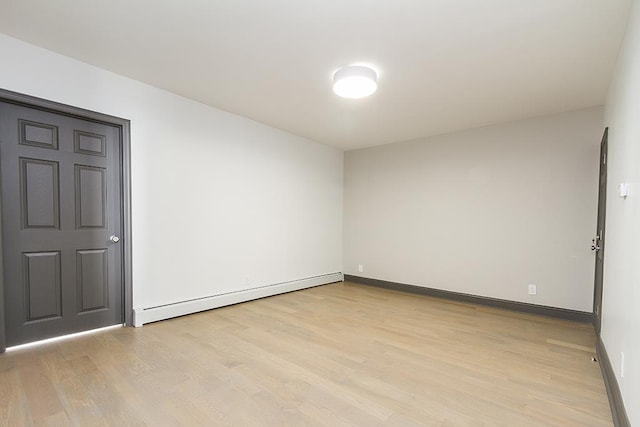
x=39, y=193
x=38, y=134
x=91, y=197
x=90, y=143
x=61, y=200
x=93, y=284
x=41, y=281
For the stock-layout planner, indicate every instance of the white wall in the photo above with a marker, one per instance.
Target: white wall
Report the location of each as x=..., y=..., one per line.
x=621, y=289
x=484, y=212
x=220, y=203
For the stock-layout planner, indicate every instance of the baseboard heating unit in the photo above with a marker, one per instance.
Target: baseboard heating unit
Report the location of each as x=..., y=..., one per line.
x=154, y=314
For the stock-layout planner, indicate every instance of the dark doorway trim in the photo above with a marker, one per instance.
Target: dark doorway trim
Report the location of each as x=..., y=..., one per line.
x=562, y=313
x=125, y=129
x=599, y=240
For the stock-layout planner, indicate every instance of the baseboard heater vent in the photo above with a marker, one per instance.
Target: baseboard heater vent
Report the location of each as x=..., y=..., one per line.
x=154, y=314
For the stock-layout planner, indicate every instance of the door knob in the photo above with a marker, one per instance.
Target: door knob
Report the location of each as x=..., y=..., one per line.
x=114, y=239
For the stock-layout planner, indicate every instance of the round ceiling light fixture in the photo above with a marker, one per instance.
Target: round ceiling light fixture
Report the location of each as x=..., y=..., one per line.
x=355, y=81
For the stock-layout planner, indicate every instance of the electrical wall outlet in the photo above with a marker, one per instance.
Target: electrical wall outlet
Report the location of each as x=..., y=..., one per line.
x=533, y=290
x=360, y=268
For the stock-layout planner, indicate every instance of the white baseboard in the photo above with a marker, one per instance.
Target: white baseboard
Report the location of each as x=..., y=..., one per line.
x=154, y=314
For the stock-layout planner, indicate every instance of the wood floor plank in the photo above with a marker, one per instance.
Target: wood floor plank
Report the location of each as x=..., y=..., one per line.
x=335, y=355
x=14, y=408
x=42, y=397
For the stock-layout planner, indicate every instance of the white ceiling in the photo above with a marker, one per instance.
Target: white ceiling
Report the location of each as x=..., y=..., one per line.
x=444, y=65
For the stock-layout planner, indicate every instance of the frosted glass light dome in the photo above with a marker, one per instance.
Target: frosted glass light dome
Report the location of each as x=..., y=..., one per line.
x=355, y=82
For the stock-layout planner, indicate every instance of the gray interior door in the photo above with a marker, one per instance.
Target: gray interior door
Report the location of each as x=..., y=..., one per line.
x=598, y=241
x=61, y=222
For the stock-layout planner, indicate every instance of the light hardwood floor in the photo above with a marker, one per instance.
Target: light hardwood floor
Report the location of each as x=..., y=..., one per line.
x=335, y=355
